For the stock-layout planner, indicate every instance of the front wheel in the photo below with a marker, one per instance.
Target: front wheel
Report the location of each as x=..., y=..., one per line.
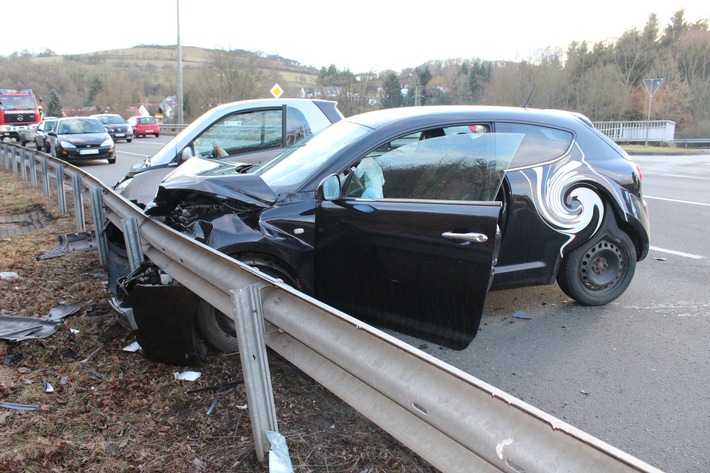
x=600, y=270
x=216, y=327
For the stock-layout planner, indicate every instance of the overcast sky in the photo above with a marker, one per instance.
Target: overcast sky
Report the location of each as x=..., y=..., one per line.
x=360, y=35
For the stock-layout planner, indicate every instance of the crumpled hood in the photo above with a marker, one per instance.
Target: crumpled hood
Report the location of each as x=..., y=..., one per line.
x=247, y=188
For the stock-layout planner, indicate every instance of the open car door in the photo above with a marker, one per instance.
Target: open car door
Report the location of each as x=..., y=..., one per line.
x=410, y=241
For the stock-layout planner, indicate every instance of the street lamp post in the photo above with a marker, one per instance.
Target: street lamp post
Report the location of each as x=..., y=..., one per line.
x=179, y=68
x=651, y=86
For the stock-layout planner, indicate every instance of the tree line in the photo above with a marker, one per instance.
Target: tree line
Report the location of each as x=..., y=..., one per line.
x=603, y=80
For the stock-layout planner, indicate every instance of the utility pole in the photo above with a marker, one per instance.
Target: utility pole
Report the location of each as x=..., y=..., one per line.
x=180, y=118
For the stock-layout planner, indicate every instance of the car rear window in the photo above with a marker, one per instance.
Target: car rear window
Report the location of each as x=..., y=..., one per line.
x=540, y=143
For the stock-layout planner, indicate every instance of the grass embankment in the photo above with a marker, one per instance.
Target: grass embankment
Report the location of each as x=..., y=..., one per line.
x=115, y=411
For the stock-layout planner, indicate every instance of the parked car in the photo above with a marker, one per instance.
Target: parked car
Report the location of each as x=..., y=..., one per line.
x=144, y=125
x=81, y=138
x=406, y=218
x=116, y=125
x=41, y=138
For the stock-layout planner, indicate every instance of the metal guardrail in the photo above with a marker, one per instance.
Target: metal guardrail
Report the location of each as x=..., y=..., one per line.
x=451, y=419
x=693, y=142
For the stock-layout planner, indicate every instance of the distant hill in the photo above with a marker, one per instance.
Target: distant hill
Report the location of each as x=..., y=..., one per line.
x=162, y=59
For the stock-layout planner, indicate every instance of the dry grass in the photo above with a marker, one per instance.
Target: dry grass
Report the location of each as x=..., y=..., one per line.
x=115, y=411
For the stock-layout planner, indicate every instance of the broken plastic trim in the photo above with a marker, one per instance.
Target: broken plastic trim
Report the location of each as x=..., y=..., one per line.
x=72, y=243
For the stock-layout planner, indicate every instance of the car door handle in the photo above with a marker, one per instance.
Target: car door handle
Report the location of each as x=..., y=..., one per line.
x=473, y=237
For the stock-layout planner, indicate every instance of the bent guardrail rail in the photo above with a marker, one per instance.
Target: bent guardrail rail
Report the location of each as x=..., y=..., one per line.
x=451, y=419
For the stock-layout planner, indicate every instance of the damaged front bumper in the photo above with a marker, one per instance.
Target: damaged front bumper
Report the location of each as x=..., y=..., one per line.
x=161, y=314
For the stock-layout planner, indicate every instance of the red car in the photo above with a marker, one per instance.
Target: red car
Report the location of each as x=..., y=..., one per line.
x=143, y=126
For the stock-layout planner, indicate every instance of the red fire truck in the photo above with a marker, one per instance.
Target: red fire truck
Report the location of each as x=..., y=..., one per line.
x=19, y=114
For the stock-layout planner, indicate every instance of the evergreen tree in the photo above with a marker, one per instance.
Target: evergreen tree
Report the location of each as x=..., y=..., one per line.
x=96, y=87
x=54, y=107
x=391, y=92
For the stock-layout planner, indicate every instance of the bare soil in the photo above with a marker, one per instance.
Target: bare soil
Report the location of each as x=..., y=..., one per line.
x=116, y=411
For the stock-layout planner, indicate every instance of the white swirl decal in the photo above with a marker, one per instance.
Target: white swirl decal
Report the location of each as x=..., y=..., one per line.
x=563, y=204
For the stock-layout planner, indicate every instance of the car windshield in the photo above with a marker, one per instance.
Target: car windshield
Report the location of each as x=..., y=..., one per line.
x=69, y=127
x=22, y=102
x=289, y=170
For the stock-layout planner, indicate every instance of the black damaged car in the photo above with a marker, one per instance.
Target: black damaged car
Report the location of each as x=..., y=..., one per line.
x=406, y=218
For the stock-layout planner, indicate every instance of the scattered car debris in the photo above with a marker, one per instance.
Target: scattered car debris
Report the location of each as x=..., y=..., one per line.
x=279, y=458
x=521, y=315
x=48, y=388
x=72, y=243
x=660, y=259
x=133, y=347
x=17, y=329
x=62, y=311
x=20, y=407
x=188, y=375
x=91, y=355
x=9, y=275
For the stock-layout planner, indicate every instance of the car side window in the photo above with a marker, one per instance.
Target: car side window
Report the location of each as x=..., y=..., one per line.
x=244, y=133
x=446, y=163
x=297, y=127
x=541, y=144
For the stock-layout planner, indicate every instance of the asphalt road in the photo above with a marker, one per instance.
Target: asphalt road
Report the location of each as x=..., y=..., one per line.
x=634, y=373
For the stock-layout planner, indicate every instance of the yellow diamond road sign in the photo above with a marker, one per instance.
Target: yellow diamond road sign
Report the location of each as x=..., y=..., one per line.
x=276, y=91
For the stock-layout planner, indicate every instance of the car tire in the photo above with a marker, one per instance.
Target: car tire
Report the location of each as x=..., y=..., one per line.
x=600, y=270
x=111, y=160
x=157, y=135
x=129, y=140
x=216, y=328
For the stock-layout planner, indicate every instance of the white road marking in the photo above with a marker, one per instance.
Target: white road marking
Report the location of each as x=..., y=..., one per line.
x=677, y=200
x=677, y=253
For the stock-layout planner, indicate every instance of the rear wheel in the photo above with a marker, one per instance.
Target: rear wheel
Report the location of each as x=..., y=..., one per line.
x=216, y=327
x=600, y=270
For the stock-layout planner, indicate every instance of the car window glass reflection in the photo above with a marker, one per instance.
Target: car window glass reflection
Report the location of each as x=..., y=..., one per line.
x=458, y=163
x=241, y=133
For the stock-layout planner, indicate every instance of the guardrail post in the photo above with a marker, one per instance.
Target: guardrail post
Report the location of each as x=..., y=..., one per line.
x=45, y=177
x=14, y=160
x=97, y=207
x=33, y=169
x=132, y=236
x=78, y=203
x=23, y=169
x=249, y=320
x=61, y=198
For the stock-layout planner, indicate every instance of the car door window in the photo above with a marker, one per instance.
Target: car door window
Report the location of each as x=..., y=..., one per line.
x=249, y=132
x=444, y=163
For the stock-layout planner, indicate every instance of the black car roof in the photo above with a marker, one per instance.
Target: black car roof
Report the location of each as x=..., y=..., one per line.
x=381, y=118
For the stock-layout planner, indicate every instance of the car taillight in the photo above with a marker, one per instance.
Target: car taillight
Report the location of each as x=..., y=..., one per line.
x=638, y=170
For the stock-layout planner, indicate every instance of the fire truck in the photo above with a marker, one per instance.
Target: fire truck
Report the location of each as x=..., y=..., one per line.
x=20, y=113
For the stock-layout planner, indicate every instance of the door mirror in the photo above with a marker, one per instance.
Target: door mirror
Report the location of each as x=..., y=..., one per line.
x=329, y=188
